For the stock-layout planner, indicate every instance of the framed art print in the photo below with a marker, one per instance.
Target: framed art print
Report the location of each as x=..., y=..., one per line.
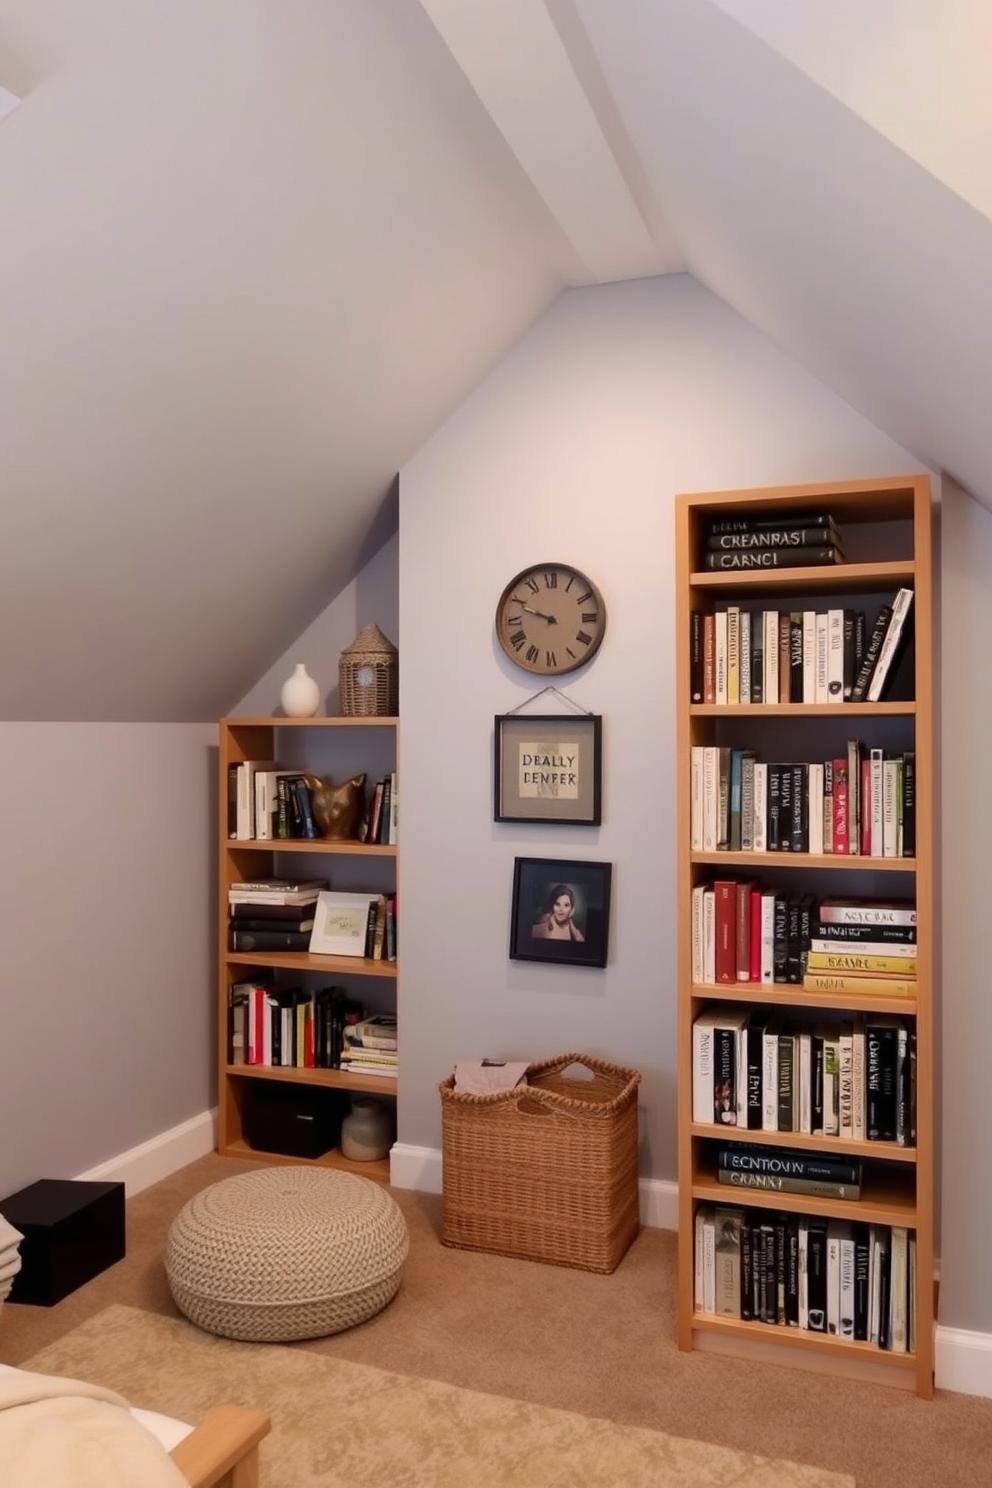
x=548, y=768
x=560, y=911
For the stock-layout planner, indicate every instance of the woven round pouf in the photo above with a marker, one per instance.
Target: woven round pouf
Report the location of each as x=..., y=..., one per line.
x=284, y=1253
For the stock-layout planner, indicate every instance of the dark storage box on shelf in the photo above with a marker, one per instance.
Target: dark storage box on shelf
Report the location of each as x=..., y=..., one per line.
x=294, y=1120
x=547, y=1171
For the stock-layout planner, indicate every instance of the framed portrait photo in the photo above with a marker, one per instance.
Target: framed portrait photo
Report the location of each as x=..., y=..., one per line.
x=548, y=768
x=560, y=911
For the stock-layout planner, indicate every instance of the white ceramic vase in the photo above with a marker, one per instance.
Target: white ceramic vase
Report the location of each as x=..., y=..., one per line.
x=300, y=695
x=367, y=1134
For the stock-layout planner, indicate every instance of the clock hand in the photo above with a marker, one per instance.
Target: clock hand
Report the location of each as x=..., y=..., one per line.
x=551, y=619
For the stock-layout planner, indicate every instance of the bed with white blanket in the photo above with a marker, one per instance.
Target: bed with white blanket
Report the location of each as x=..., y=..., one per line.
x=65, y=1433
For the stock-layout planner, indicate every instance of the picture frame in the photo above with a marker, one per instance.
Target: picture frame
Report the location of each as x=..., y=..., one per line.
x=548, y=768
x=540, y=914
x=340, y=924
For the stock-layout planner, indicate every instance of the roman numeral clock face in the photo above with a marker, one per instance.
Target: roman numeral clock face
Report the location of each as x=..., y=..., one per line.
x=550, y=619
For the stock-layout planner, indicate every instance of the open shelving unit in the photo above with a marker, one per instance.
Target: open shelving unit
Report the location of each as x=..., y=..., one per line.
x=886, y=529
x=339, y=747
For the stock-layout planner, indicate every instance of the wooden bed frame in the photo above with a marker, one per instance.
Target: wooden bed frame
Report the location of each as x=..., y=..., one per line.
x=222, y=1452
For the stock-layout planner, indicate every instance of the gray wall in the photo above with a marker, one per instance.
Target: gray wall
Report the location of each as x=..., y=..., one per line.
x=106, y=959
x=573, y=449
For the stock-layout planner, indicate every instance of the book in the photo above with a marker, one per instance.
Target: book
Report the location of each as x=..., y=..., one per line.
x=846, y=981
x=268, y=940
x=859, y=691
x=775, y=537
x=255, y=924
x=788, y=1163
x=854, y=911
x=895, y=631
x=779, y=1183
x=863, y=964
x=768, y=520
x=287, y=915
x=809, y=557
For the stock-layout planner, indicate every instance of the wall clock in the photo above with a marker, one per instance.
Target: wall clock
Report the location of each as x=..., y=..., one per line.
x=550, y=619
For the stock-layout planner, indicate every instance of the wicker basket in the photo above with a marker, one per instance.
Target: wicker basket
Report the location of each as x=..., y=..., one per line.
x=546, y=1171
x=368, y=673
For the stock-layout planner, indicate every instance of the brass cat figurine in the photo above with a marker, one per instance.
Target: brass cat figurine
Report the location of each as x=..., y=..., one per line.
x=337, y=809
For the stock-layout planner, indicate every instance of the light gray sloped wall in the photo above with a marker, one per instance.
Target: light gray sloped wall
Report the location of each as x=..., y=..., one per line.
x=965, y=837
x=573, y=449
x=106, y=953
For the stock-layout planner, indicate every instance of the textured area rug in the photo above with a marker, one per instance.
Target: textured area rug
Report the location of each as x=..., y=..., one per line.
x=341, y=1425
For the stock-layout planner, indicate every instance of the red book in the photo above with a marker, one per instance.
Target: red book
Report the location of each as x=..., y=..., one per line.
x=755, y=967
x=725, y=929
x=841, y=843
x=744, y=912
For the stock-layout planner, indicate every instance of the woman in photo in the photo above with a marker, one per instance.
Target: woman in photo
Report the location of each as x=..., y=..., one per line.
x=558, y=922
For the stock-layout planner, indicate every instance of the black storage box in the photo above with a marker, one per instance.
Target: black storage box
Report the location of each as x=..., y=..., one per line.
x=72, y=1231
x=294, y=1120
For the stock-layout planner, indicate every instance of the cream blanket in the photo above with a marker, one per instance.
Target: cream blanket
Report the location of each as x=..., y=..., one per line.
x=62, y=1433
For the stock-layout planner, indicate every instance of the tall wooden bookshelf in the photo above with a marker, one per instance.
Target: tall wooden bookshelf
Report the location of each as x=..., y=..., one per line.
x=886, y=531
x=336, y=748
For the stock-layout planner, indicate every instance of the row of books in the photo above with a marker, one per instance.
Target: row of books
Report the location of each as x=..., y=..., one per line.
x=288, y=1027
x=861, y=803
x=739, y=656
x=850, y=1078
x=268, y=803
x=796, y=540
x=744, y=931
x=831, y=1276
x=279, y=914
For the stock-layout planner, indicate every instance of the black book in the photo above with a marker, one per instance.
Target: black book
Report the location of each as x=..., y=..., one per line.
x=774, y=807
x=781, y=1268
x=724, y=1076
x=696, y=656
x=847, y=936
x=788, y=1162
x=773, y=537
x=755, y=522
x=785, y=783
x=860, y=639
x=304, y=808
x=849, y=654
x=268, y=940
x=861, y=1251
x=758, y=558
x=747, y=1268
x=787, y=1073
x=793, y=940
x=881, y=1090
x=288, y=915
x=799, y=827
x=860, y=689
x=816, y=1084
x=884, y=1282
x=265, y=925
x=768, y=1289
x=754, y=1034
x=792, y=1271
x=795, y=656
x=780, y=941
x=909, y=807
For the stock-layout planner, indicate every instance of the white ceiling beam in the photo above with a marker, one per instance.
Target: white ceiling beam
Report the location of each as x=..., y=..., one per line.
x=514, y=59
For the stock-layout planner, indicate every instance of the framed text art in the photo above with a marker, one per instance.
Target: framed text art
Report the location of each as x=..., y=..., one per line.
x=560, y=911
x=548, y=768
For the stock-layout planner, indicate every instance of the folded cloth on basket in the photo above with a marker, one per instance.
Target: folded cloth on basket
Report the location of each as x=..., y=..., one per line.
x=489, y=1076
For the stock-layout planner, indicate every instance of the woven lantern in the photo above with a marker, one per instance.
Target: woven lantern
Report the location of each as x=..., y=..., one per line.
x=369, y=676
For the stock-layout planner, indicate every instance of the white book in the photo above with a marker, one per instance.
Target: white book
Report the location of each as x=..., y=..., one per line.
x=902, y=949
x=814, y=779
x=805, y=1042
x=247, y=771
x=709, y=937
x=898, y=1290
x=720, y=654
x=897, y=623
x=759, y=834
x=394, y=810
x=709, y=1260
x=698, y=894
x=822, y=646
x=769, y=1075
x=877, y=759
x=703, y=1044
x=835, y=656
x=711, y=796
x=744, y=644
x=833, y=1278
x=770, y=689
x=700, y=1259
x=804, y=1271
x=267, y=802
x=809, y=656
x=890, y=822
x=768, y=937
x=696, y=798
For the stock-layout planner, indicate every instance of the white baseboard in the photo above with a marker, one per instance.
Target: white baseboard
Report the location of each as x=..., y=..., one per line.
x=420, y=1168
x=963, y=1361
x=158, y=1158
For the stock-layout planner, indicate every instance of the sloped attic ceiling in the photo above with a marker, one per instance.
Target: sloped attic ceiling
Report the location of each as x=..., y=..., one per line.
x=255, y=253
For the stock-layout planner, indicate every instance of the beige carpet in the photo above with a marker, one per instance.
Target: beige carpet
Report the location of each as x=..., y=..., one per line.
x=343, y=1425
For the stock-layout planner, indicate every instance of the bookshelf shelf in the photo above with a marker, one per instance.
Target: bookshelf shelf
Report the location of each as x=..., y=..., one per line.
x=335, y=748
x=885, y=534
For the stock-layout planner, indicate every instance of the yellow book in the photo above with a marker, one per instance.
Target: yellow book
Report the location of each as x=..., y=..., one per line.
x=865, y=965
x=883, y=986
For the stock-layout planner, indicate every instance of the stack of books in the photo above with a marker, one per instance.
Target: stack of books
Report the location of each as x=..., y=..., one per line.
x=371, y=1046
x=272, y=914
x=780, y=540
x=863, y=945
